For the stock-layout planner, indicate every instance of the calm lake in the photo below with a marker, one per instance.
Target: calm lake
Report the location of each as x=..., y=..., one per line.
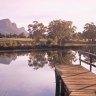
x=32, y=73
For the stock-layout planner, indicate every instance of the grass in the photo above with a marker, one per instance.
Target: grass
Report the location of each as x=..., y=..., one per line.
x=15, y=39
x=26, y=43
x=20, y=42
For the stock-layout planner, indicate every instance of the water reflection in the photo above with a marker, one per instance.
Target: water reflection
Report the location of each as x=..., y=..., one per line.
x=51, y=58
x=39, y=59
x=18, y=79
x=7, y=58
x=26, y=72
x=33, y=73
x=87, y=58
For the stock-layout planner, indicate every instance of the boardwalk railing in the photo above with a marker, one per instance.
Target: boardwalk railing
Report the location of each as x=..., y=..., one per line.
x=90, y=56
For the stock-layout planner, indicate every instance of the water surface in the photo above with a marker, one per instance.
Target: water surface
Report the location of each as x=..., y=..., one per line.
x=17, y=78
x=32, y=73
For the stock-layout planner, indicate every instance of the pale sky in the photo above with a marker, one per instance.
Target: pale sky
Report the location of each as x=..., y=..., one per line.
x=23, y=12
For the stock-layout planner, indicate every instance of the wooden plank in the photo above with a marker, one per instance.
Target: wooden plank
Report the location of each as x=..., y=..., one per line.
x=79, y=80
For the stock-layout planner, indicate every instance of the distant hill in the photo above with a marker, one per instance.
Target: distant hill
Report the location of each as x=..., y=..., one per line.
x=7, y=27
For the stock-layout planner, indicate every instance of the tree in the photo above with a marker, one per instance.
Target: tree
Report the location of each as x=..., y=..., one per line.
x=2, y=35
x=77, y=36
x=60, y=30
x=89, y=31
x=22, y=35
x=36, y=30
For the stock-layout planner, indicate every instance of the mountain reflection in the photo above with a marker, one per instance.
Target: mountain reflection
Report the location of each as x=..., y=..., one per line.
x=39, y=59
x=7, y=58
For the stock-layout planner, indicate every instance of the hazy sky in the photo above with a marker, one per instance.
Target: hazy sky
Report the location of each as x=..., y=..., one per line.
x=23, y=12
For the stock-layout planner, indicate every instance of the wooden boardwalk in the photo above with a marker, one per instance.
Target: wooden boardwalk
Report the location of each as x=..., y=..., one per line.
x=78, y=80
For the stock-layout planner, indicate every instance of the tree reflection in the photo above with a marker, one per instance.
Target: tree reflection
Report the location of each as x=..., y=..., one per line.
x=61, y=57
x=37, y=59
x=40, y=59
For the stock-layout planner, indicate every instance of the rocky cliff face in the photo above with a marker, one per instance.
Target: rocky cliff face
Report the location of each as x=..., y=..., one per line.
x=22, y=29
x=7, y=27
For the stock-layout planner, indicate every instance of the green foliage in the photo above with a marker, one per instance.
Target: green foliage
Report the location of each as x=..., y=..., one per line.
x=49, y=42
x=89, y=31
x=36, y=30
x=60, y=29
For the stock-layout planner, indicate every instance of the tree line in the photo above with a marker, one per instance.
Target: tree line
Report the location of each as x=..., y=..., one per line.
x=60, y=31
x=57, y=32
x=21, y=35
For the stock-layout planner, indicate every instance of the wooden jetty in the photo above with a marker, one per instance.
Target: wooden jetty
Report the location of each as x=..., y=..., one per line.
x=79, y=80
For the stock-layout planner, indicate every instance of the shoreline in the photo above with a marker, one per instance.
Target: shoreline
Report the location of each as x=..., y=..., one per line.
x=43, y=47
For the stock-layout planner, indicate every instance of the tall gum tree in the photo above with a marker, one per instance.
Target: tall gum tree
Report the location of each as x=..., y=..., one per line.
x=60, y=30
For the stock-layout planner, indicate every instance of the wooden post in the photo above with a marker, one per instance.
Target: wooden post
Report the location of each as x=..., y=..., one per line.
x=90, y=62
x=57, y=93
x=80, y=57
x=62, y=88
x=90, y=68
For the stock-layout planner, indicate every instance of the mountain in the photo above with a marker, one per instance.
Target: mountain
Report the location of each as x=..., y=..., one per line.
x=7, y=27
x=22, y=29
